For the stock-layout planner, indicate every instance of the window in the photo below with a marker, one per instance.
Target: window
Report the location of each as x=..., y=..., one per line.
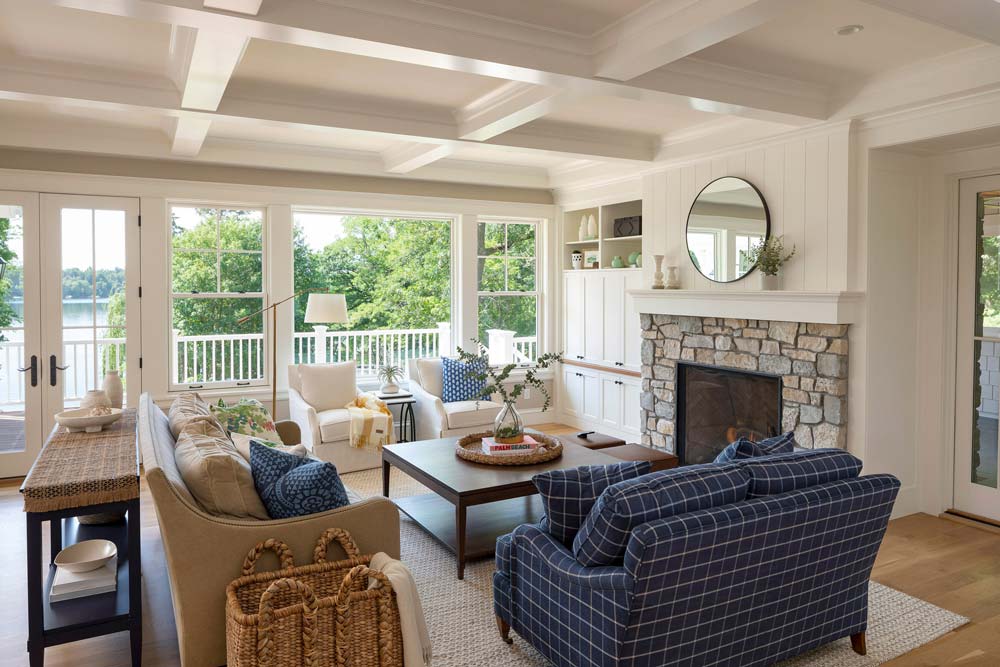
x=395, y=273
x=703, y=248
x=508, y=290
x=217, y=277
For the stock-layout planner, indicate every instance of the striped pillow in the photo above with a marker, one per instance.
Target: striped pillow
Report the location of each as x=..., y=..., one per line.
x=787, y=472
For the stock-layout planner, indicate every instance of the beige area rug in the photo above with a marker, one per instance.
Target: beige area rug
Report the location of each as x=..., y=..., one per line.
x=460, y=613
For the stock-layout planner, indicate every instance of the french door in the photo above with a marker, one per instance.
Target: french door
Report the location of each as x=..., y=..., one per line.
x=70, y=310
x=978, y=392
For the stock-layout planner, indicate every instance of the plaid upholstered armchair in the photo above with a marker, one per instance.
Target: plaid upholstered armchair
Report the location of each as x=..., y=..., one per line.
x=740, y=564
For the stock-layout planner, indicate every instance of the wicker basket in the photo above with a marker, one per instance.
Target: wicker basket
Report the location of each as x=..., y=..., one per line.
x=470, y=448
x=318, y=615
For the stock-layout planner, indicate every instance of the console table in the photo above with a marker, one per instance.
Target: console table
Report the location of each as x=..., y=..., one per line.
x=77, y=474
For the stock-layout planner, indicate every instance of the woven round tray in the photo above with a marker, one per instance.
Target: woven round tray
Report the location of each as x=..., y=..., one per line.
x=470, y=448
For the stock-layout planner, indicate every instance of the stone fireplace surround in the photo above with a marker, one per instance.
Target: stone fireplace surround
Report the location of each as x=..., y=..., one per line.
x=811, y=360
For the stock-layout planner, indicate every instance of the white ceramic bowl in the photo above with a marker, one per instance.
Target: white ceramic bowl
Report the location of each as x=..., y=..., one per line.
x=86, y=556
x=81, y=419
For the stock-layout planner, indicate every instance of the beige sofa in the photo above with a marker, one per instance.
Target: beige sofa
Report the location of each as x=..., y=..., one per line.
x=204, y=552
x=437, y=419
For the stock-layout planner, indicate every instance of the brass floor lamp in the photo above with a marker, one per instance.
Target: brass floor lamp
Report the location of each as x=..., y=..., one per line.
x=322, y=308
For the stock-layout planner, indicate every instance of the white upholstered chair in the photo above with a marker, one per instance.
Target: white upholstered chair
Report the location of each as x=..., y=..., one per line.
x=437, y=419
x=317, y=394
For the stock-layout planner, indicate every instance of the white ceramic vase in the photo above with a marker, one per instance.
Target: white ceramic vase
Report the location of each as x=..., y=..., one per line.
x=658, y=274
x=390, y=388
x=95, y=398
x=582, y=231
x=591, y=227
x=769, y=283
x=673, y=278
x=577, y=258
x=114, y=389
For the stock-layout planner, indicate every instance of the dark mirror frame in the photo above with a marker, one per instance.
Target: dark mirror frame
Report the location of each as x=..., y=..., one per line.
x=687, y=224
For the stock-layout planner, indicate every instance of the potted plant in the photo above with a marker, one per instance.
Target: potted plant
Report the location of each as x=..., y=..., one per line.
x=508, y=427
x=390, y=375
x=769, y=256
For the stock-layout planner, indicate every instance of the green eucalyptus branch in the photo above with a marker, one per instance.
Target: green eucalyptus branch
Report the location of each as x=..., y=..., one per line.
x=496, y=377
x=769, y=255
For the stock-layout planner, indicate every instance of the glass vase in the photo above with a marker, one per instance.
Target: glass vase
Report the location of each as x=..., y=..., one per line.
x=508, y=427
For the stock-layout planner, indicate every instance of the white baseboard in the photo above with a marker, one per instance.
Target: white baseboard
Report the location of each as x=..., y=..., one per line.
x=907, y=502
x=587, y=425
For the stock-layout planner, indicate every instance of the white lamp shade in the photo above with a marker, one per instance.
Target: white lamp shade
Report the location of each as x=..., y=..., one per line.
x=326, y=309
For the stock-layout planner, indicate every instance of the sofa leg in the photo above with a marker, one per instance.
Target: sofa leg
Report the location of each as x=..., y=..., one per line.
x=858, y=643
x=504, y=629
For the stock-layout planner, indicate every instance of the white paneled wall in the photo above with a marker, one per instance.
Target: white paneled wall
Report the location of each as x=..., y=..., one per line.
x=804, y=180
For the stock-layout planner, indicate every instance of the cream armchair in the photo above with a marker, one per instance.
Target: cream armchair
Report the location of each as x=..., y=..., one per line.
x=325, y=423
x=437, y=419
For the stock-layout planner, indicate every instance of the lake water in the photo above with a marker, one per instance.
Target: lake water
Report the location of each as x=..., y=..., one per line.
x=76, y=313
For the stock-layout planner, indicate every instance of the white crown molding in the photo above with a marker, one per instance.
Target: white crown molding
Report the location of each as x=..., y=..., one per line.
x=781, y=305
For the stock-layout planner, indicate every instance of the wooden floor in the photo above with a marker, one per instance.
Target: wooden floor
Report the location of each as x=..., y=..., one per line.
x=946, y=563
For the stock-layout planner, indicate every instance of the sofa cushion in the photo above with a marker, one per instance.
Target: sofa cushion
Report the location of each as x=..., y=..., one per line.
x=249, y=416
x=429, y=375
x=334, y=425
x=781, y=473
x=328, y=386
x=746, y=449
x=471, y=414
x=459, y=381
x=568, y=495
x=293, y=486
x=187, y=407
x=605, y=533
x=242, y=443
x=215, y=473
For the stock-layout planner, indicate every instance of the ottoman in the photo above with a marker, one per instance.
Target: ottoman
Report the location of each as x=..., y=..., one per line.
x=659, y=460
x=593, y=440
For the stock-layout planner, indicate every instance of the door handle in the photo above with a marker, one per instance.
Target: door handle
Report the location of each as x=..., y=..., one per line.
x=53, y=368
x=33, y=367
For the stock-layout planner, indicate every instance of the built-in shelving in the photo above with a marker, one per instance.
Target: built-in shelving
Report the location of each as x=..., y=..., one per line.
x=605, y=243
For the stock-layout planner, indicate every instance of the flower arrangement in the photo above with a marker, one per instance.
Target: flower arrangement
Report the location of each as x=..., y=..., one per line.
x=769, y=255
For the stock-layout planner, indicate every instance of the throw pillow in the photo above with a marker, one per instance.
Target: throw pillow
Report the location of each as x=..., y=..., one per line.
x=247, y=416
x=187, y=407
x=746, y=449
x=242, y=442
x=787, y=472
x=215, y=473
x=569, y=495
x=458, y=381
x=329, y=386
x=293, y=486
x=605, y=533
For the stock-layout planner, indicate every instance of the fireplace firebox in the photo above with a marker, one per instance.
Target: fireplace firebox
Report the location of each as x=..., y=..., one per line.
x=715, y=406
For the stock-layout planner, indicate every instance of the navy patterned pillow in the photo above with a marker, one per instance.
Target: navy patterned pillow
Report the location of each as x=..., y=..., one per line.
x=605, y=533
x=292, y=485
x=568, y=495
x=747, y=449
x=787, y=472
x=458, y=381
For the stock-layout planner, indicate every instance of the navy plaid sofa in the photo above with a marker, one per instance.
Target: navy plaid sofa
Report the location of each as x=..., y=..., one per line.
x=782, y=570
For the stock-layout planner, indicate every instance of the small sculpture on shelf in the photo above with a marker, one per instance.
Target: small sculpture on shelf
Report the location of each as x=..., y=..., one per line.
x=658, y=274
x=673, y=278
x=577, y=258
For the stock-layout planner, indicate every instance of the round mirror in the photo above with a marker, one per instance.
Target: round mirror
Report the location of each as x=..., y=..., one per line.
x=727, y=219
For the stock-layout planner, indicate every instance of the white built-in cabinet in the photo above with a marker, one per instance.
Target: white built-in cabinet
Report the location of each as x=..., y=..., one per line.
x=601, y=325
x=604, y=400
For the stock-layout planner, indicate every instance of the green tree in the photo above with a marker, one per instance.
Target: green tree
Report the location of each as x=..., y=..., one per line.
x=11, y=280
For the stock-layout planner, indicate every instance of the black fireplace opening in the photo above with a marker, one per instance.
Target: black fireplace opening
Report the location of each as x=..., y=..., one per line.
x=716, y=406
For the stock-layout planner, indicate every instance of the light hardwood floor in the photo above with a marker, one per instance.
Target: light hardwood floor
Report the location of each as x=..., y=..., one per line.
x=946, y=563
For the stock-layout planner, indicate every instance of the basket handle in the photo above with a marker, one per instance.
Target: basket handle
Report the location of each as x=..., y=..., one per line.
x=265, y=647
x=342, y=537
x=342, y=604
x=281, y=550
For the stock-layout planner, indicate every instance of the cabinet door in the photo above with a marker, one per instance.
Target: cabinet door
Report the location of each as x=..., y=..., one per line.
x=591, y=396
x=573, y=291
x=591, y=328
x=631, y=410
x=572, y=392
x=611, y=321
x=611, y=401
x=631, y=332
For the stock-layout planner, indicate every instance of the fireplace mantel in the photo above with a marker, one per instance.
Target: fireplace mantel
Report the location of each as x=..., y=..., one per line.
x=818, y=307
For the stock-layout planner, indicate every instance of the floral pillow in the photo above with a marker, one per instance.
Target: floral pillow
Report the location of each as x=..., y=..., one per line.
x=249, y=417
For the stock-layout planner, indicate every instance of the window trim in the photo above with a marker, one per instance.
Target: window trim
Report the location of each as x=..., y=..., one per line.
x=263, y=294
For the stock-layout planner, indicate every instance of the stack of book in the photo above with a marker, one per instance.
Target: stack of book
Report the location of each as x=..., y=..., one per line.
x=526, y=446
x=68, y=585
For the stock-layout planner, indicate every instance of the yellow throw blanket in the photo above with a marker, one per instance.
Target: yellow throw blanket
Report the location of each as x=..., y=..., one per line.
x=371, y=422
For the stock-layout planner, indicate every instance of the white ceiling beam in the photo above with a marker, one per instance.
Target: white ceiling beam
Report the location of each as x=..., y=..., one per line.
x=211, y=62
x=422, y=34
x=251, y=7
x=508, y=106
x=404, y=158
x=189, y=135
x=979, y=19
x=665, y=31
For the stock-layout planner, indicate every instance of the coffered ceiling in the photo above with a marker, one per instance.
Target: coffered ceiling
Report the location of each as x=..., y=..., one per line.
x=523, y=92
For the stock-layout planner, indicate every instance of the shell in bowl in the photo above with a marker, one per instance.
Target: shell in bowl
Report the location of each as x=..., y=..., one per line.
x=84, y=419
x=86, y=556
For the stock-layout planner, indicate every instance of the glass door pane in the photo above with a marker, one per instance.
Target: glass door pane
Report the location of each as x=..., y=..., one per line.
x=986, y=342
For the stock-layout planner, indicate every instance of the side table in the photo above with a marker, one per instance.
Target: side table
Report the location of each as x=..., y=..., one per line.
x=77, y=474
x=406, y=424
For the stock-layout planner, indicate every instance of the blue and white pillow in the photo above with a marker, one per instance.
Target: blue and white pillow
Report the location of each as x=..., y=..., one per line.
x=458, y=381
x=747, y=449
x=290, y=485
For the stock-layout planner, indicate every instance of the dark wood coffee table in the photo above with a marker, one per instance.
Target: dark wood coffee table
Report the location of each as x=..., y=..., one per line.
x=473, y=504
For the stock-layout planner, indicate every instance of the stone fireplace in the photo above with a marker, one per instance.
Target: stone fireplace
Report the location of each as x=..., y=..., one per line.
x=806, y=362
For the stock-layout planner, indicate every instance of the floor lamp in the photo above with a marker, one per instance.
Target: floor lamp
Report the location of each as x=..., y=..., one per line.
x=322, y=307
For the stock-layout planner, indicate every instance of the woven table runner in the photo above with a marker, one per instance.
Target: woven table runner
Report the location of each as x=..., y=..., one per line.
x=80, y=469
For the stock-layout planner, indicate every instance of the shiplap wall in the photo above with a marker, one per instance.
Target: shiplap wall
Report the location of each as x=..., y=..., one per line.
x=805, y=181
